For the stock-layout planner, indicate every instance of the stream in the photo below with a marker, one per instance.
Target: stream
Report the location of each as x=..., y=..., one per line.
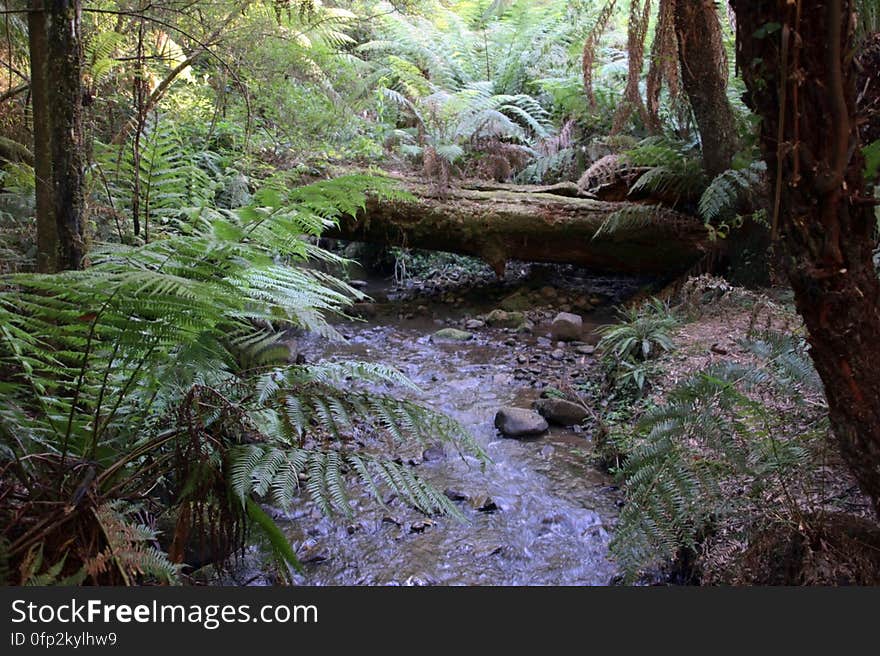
x=538, y=514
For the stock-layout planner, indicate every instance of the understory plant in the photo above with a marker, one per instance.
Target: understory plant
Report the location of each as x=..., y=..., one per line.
x=731, y=448
x=151, y=402
x=640, y=335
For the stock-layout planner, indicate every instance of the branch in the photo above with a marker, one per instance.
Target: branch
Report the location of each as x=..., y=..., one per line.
x=203, y=47
x=11, y=93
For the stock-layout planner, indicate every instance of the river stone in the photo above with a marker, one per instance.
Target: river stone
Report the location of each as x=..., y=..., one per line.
x=433, y=453
x=566, y=327
x=586, y=349
x=560, y=411
x=483, y=503
x=504, y=319
x=519, y=422
x=558, y=354
x=516, y=302
x=474, y=324
x=454, y=495
x=451, y=335
x=365, y=310
x=549, y=293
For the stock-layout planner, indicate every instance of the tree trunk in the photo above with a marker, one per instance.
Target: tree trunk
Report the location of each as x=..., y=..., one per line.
x=65, y=118
x=502, y=222
x=47, y=231
x=801, y=82
x=704, y=77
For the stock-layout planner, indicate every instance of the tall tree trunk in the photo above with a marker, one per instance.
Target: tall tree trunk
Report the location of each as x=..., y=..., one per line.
x=796, y=58
x=65, y=114
x=47, y=231
x=704, y=77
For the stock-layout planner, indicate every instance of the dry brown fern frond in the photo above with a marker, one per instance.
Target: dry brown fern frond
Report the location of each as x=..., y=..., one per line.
x=637, y=31
x=664, y=62
x=590, y=49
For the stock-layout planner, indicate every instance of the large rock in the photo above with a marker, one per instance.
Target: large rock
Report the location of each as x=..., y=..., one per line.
x=519, y=422
x=567, y=327
x=451, y=335
x=560, y=411
x=516, y=302
x=503, y=319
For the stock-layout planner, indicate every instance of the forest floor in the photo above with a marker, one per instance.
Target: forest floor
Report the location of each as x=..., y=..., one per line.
x=809, y=524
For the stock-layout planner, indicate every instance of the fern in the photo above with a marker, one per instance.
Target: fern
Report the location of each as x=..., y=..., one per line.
x=728, y=189
x=131, y=374
x=630, y=218
x=129, y=548
x=711, y=435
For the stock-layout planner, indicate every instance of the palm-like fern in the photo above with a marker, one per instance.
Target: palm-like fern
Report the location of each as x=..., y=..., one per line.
x=728, y=190
x=463, y=88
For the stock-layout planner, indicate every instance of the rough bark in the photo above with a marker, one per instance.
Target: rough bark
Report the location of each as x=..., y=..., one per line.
x=65, y=116
x=801, y=81
x=47, y=230
x=704, y=78
x=526, y=223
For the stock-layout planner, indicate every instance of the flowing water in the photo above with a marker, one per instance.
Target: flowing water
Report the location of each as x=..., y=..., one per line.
x=539, y=514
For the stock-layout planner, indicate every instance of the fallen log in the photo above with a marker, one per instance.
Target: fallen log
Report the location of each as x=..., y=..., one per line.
x=534, y=224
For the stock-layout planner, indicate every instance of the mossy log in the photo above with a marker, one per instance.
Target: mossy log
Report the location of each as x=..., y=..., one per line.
x=536, y=224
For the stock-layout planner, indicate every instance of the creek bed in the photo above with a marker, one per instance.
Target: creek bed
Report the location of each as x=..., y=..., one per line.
x=539, y=514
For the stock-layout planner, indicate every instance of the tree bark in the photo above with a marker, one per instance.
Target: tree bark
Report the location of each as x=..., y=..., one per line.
x=536, y=224
x=801, y=82
x=47, y=230
x=704, y=78
x=65, y=116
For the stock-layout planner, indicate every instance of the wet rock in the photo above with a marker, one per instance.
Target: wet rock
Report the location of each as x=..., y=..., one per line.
x=454, y=495
x=502, y=379
x=362, y=526
x=504, y=319
x=434, y=453
x=521, y=358
x=312, y=552
x=420, y=526
x=585, y=349
x=365, y=310
x=451, y=335
x=560, y=411
x=519, y=422
x=558, y=354
x=566, y=327
x=526, y=327
x=474, y=324
x=517, y=302
x=483, y=503
x=549, y=293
